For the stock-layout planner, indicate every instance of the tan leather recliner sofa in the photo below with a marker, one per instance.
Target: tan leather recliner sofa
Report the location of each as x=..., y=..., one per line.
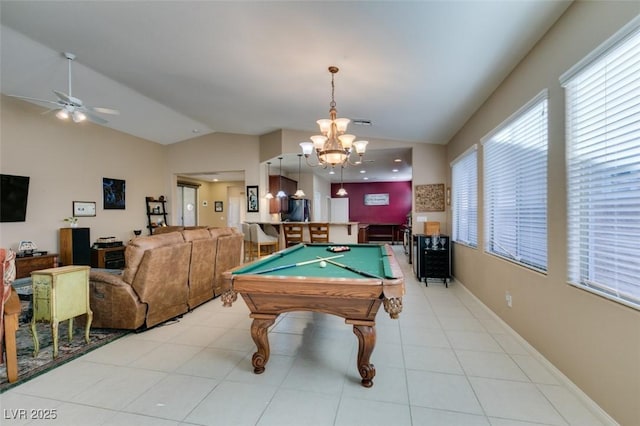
x=165, y=275
x=228, y=256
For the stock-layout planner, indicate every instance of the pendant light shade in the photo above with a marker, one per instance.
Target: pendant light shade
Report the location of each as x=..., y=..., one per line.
x=269, y=195
x=299, y=193
x=281, y=193
x=341, y=192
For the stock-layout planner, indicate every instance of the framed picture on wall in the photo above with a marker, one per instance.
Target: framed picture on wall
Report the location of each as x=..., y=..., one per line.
x=84, y=208
x=252, y=199
x=113, y=191
x=217, y=205
x=429, y=198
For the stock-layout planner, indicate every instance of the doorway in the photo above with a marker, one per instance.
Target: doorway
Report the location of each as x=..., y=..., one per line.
x=187, y=201
x=235, y=200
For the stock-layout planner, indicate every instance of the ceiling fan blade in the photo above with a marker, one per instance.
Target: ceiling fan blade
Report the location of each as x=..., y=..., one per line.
x=103, y=110
x=95, y=118
x=63, y=96
x=44, y=101
x=50, y=110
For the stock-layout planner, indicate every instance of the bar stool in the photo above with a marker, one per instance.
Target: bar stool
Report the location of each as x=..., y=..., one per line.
x=292, y=233
x=248, y=244
x=260, y=239
x=319, y=232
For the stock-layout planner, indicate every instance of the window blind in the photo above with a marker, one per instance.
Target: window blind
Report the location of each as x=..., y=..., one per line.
x=515, y=186
x=603, y=172
x=464, y=198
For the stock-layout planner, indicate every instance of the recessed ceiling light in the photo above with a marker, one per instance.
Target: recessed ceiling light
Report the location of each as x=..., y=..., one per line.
x=332, y=172
x=395, y=170
x=398, y=160
x=363, y=171
x=365, y=178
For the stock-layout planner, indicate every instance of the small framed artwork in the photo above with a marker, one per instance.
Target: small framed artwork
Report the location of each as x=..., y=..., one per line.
x=84, y=208
x=113, y=193
x=217, y=205
x=376, y=199
x=252, y=199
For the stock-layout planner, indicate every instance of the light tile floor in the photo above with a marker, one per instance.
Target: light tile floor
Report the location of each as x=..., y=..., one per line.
x=446, y=361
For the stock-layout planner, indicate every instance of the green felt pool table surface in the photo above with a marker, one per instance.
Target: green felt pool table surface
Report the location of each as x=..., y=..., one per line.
x=371, y=259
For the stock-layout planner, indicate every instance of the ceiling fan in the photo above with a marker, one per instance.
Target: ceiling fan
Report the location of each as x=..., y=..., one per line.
x=71, y=107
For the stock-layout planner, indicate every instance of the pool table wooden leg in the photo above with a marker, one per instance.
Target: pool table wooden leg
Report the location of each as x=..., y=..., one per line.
x=366, y=333
x=259, y=330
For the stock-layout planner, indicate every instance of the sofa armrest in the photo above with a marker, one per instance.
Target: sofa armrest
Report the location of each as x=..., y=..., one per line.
x=114, y=302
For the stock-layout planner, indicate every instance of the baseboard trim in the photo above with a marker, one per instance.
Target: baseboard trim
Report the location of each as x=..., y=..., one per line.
x=589, y=403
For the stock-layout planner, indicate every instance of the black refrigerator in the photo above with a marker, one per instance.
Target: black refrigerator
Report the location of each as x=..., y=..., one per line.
x=299, y=211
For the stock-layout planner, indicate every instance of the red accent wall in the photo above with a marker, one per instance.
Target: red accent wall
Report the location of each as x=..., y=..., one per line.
x=397, y=210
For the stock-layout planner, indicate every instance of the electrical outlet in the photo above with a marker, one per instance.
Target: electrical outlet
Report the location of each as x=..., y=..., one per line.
x=509, y=299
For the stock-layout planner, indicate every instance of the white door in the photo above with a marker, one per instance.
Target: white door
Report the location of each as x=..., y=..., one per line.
x=235, y=201
x=189, y=201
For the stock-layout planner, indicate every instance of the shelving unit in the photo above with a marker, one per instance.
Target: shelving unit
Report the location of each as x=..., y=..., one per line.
x=156, y=209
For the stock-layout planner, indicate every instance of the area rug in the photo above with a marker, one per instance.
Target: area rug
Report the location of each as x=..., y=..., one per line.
x=30, y=366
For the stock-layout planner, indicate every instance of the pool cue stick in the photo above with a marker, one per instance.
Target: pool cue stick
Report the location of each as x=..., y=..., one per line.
x=352, y=269
x=292, y=265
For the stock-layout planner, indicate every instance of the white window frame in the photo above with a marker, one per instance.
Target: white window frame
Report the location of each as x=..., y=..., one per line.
x=603, y=168
x=464, y=197
x=515, y=186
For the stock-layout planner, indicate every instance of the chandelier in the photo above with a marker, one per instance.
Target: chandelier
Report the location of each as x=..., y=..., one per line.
x=334, y=146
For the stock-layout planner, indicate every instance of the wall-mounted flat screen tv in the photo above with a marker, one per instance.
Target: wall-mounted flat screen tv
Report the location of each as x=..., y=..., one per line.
x=14, y=191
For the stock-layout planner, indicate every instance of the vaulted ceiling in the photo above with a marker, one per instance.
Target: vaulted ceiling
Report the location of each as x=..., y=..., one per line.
x=178, y=69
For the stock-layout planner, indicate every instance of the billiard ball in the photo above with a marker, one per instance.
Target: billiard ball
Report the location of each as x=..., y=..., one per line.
x=323, y=264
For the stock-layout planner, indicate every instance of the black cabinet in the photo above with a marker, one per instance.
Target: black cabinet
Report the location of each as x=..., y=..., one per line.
x=430, y=258
x=436, y=257
x=75, y=248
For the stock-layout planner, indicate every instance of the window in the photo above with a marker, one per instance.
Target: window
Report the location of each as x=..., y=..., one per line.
x=603, y=169
x=464, y=197
x=515, y=186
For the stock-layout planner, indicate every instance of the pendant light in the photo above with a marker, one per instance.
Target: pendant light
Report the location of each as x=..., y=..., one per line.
x=280, y=193
x=269, y=194
x=299, y=193
x=341, y=192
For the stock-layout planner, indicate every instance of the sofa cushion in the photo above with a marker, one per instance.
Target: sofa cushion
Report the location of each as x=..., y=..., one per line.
x=196, y=234
x=137, y=247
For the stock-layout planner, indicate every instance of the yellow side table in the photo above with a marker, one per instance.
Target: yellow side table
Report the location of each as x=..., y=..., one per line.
x=60, y=294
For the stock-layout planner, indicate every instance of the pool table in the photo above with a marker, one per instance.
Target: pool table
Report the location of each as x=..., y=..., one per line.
x=368, y=276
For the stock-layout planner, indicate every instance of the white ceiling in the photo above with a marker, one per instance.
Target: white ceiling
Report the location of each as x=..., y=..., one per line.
x=417, y=70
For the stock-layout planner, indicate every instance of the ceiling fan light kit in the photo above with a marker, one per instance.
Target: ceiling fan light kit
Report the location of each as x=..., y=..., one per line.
x=70, y=107
x=334, y=146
